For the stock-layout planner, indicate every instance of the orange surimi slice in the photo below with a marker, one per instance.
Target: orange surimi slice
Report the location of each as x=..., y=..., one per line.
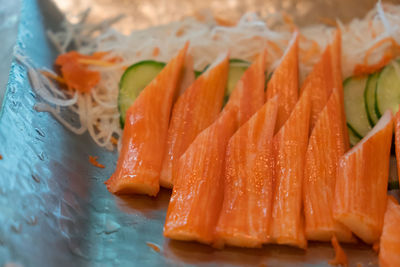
x=285, y=83
x=198, y=193
x=290, y=145
x=397, y=140
x=194, y=111
x=145, y=133
x=320, y=83
x=248, y=95
x=325, y=147
x=361, y=184
x=246, y=209
x=336, y=50
x=389, y=252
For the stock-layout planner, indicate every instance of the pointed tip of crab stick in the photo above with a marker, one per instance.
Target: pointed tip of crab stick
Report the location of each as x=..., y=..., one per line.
x=290, y=145
x=361, y=184
x=389, y=252
x=245, y=213
x=198, y=190
x=285, y=82
x=194, y=110
x=326, y=146
x=248, y=95
x=145, y=132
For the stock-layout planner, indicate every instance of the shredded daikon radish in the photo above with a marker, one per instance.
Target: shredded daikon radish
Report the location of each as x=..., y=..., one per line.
x=97, y=111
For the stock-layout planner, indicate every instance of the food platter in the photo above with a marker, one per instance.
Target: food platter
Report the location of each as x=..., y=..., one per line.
x=55, y=209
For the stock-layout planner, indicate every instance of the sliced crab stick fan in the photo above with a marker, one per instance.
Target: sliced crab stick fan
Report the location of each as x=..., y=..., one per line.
x=145, y=133
x=336, y=51
x=389, y=249
x=284, y=82
x=361, y=184
x=397, y=140
x=320, y=82
x=326, y=146
x=248, y=95
x=290, y=145
x=246, y=210
x=194, y=110
x=197, y=194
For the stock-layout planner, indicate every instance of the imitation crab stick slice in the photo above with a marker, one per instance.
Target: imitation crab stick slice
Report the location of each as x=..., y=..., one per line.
x=325, y=147
x=248, y=95
x=197, y=194
x=361, y=184
x=397, y=140
x=145, y=133
x=290, y=145
x=320, y=82
x=194, y=111
x=246, y=210
x=389, y=252
x=285, y=82
x=336, y=51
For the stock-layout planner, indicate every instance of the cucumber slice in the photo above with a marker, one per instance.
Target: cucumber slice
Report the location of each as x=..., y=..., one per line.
x=387, y=94
x=133, y=81
x=236, y=69
x=353, y=138
x=369, y=98
x=356, y=114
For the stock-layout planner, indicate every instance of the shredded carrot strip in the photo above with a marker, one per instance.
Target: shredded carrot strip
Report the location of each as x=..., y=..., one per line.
x=156, y=51
x=390, y=53
x=95, y=62
x=288, y=20
x=371, y=28
x=153, y=246
x=310, y=53
x=113, y=140
x=340, y=255
x=180, y=32
x=328, y=21
x=224, y=22
x=53, y=76
x=94, y=162
x=274, y=46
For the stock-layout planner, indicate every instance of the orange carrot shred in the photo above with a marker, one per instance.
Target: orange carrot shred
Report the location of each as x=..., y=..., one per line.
x=328, y=21
x=94, y=162
x=156, y=51
x=224, y=22
x=153, y=246
x=53, y=76
x=340, y=255
x=113, y=140
x=274, y=46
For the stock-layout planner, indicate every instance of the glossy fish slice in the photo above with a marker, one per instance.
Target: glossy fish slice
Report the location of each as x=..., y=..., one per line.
x=389, y=249
x=194, y=111
x=145, y=133
x=320, y=83
x=290, y=145
x=361, y=184
x=325, y=147
x=197, y=194
x=248, y=95
x=246, y=210
x=285, y=83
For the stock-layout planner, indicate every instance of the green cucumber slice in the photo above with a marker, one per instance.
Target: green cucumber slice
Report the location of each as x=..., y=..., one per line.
x=133, y=81
x=236, y=69
x=356, y=114
x=387, y=94
x=353, y=138
x=369, y=98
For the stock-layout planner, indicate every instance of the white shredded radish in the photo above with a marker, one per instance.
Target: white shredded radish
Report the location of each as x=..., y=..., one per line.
x=98, y=111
